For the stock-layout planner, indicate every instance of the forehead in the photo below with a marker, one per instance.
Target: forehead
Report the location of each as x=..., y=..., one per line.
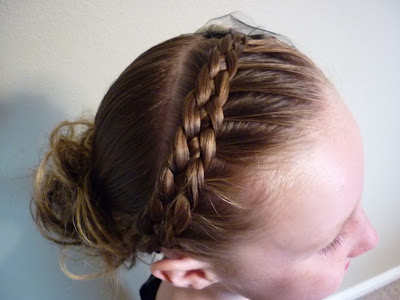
x=325, y=184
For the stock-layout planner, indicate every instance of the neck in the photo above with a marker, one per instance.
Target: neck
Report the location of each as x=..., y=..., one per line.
x=167, y=291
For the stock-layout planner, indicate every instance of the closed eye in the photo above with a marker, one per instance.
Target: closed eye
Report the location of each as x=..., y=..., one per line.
x=336, y=243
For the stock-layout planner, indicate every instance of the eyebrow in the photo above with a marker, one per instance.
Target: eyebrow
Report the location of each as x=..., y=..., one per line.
x=342, y=224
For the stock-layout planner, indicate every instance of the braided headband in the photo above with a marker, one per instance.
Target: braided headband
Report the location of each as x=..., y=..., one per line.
x=169, y=211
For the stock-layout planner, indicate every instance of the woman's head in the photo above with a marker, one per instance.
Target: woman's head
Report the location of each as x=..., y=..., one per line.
x=208, y=148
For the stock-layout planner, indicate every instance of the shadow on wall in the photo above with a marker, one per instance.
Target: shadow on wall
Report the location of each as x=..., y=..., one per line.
x=29, y=266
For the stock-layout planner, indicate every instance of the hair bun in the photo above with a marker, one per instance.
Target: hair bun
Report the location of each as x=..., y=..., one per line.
x=65, y=207
x=62, y=205
x=61, y=182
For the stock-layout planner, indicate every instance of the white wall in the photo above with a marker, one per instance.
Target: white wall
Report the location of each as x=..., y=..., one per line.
x=58, y=58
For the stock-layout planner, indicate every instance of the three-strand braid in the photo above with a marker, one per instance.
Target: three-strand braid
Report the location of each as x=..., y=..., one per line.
x=169, y=211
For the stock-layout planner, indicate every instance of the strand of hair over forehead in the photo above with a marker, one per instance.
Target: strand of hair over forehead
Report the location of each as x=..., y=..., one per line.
x=170, y=208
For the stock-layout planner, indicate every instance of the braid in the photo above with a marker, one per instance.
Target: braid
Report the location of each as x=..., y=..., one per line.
x=170, y=208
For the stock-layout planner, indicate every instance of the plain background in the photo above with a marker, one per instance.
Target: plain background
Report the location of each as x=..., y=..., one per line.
x=58, y=58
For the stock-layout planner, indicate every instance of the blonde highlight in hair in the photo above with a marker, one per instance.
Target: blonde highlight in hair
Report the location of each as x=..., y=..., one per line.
x=172, y=144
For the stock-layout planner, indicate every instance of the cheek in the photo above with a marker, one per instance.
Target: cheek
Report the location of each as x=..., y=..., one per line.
x=317, y=279
x=312, y=280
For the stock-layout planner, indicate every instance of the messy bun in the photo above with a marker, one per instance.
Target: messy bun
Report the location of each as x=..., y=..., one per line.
x=64, y=207
x=173, y=142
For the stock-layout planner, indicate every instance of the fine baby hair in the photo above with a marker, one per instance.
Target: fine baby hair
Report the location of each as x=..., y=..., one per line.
x=172, y=158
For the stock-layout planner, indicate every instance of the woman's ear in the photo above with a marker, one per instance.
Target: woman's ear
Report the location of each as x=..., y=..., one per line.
x=184, y=272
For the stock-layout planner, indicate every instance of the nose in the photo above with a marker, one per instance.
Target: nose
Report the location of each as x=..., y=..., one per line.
x=366, y=237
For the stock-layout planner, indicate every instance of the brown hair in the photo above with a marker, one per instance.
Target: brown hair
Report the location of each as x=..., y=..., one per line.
x=173, y=141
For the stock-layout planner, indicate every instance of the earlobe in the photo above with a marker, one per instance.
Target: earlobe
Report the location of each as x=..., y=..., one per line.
x=184, y=272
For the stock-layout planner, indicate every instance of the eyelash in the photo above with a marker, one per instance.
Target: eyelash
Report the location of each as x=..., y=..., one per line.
x=337, y=242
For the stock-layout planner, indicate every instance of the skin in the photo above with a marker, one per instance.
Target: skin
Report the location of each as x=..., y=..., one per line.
x=285, y=258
